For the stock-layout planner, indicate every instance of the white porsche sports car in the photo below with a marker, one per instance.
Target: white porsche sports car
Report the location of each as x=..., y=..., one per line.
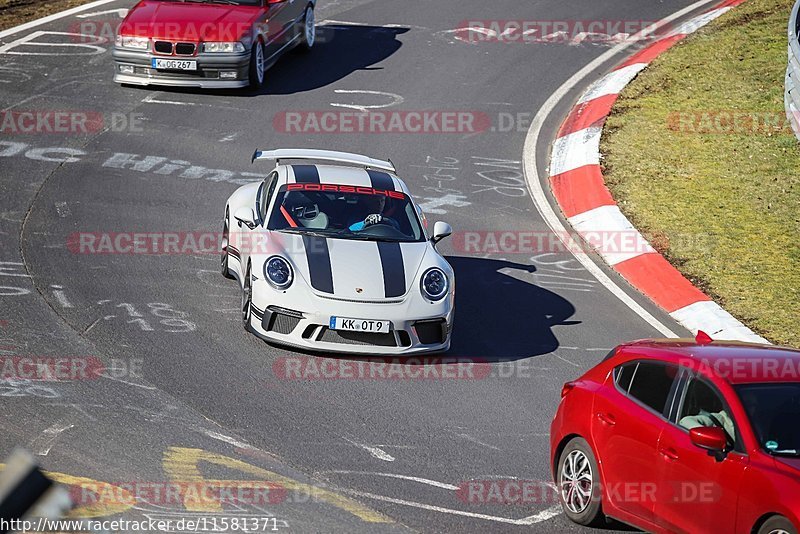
x=338, y=258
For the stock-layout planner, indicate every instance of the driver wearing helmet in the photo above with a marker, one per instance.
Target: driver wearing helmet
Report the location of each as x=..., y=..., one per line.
x=375, y=206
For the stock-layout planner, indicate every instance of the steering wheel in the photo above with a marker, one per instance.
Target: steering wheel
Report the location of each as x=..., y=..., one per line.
x=306, y=212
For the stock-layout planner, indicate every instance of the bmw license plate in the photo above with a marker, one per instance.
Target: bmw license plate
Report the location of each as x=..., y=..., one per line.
x=174, y=64
x=359, y=325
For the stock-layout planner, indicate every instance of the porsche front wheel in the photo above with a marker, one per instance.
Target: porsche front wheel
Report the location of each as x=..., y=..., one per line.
x=247, y=300
x=226, y=232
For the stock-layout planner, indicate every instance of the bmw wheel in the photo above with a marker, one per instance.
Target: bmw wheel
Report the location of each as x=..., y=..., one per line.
x=225, y=242
x=247, y=300
x=257, y=65
x=579, y=483
x=309, y=29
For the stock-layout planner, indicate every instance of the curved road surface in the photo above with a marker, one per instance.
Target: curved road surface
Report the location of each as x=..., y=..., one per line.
x=390, y=452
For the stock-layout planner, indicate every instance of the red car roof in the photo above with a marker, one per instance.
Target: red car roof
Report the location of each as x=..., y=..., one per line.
x=734, y=362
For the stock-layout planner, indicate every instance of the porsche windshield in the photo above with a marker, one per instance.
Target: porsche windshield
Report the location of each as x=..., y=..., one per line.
x=774, y=411
x=345, y=212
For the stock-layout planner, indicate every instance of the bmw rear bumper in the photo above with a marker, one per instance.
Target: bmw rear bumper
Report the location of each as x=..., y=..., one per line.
x=207, y=75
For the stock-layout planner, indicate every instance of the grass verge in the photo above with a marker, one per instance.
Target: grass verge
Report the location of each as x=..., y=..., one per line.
x=15, y=12
x=700, y=157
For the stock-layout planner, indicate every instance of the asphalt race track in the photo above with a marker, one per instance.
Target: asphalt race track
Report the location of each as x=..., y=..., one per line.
x=388, y=453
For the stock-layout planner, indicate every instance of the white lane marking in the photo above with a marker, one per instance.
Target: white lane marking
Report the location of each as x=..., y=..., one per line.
x=54, y=16
x=594, y=225
x=62, y=209
x=563, y=359
x=28, y=40
x=576, y=150
x=376, y=452
x=477, y=441
x=544, y=515
x=227, y=439
x=429, y=482
x=143, y=386
x=346, y=23
x=58, y=293
x=612, y=83
x=532, y=170
x=42, y=444
x=396, y=100
x=150, y=99
x=710, y=317
x=121, y=13
x=488, y=32
x=434, y=205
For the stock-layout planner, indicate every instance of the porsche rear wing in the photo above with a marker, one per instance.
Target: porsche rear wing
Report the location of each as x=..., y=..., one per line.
x=324, y=155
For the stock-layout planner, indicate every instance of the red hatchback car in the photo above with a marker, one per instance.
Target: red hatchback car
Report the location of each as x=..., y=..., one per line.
x=683, y=436
x=209, y=43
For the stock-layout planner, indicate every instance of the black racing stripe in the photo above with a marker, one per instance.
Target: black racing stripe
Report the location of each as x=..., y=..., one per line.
x=380, y=180
x=306, y=174
x=394, y=273
x=319, y=263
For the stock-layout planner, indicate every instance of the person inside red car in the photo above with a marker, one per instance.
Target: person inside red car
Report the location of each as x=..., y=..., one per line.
x=719, y=419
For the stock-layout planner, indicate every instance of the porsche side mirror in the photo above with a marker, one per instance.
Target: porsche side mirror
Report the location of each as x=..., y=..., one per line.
x=440, y=231
x=245, y=216
x=711, y=438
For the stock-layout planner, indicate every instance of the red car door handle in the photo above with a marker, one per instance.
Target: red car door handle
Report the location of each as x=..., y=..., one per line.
x=668, y=453
x=606, y=418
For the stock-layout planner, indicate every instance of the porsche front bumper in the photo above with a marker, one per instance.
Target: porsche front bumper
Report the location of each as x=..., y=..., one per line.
x=417, y=326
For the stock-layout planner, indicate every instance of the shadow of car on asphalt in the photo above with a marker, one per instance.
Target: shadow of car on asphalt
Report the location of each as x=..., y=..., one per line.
x=340, y=50
x=500, y=317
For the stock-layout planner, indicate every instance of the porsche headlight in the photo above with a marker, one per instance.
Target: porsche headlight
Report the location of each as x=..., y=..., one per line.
x=134, y=43
x=434, y=284
x=214, y=48
x=278, y=272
